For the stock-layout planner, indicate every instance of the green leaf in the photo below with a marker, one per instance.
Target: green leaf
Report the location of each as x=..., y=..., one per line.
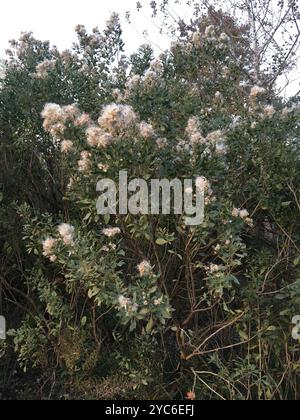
x=83, y=321
x=272, y=328
x=296, y=261
x=106, y=219
x=161, y=241
x=243, y=335
x=285, y=312
x=152, y=290
x=87, y=217
x=177, y=255
x=286, y=204
x=150, y=325
x=132, y=326
x=144, y=311
x=93, y=292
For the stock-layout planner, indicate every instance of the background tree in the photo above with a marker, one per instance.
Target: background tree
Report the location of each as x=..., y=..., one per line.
x=272, y=32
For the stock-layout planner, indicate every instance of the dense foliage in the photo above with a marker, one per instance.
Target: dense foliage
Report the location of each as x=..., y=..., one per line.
x=143, y=306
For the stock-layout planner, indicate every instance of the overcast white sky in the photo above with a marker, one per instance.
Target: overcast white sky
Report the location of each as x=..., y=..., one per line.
x=55, y=20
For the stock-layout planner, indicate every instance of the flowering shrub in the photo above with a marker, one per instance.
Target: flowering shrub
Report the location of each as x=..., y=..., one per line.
x=140, y=296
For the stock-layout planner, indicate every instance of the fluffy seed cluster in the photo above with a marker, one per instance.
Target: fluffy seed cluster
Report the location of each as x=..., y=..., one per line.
x=85, y=70
x=199, y=39
x=210, y=31
x=83, y=120
x=97, y=137
x=55, y=117
x=162, y=143
x=85, y=163
x=66, y=232
x=116, y=118
x=48, y=249
x=118, y=96
x=244, y=215
x=226, y=72
x=159, y=301
x=103, y=167
x=285, y=112
x=193, y=131
x=204, y=186
x=80, y=29
x=184, y=146
x=202, y=183
x=214, y=269
x=70, y=184
x=43, y=69
x=151, y=78
x=217, y=249
x=66, y=56
x=218, y=140
x=110, y=247
x=144, y=269
x=124, y=302
x=133, y=82
x=146, y=130
x=269, y=111
x=214, y=139
x=295, y=108
x=224, y=38
x=71, y=112
x=111, y=232
x=257, y=91
x=127, y=305
x=218, y=97
x=66, y=146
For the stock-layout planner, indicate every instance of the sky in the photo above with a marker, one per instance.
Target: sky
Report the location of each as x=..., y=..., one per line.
x=55, y=21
